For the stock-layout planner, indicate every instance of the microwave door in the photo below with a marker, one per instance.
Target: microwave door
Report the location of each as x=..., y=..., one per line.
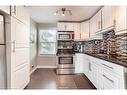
x=2, y=30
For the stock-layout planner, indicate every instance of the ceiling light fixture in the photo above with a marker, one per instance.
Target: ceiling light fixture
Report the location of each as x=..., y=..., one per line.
x=63, y=12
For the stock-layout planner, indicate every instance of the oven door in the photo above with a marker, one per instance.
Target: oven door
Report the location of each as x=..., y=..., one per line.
x=66, y=62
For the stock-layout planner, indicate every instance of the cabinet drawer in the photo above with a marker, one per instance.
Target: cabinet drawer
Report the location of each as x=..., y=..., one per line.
x=21, y=77
x=21, y=56
x=110, y=80
x=113, y=67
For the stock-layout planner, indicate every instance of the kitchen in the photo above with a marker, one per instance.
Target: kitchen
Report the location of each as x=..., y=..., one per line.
x=64, y=47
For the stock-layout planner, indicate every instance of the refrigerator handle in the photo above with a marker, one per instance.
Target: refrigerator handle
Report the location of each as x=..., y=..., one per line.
x=14, y=46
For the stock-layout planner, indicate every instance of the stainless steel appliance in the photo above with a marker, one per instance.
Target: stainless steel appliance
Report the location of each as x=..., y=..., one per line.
x=2, y=54
x=65, y=52
x=65, y=35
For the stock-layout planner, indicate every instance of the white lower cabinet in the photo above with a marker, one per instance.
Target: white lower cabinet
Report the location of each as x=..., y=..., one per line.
x=103, y=74
x=110, y=80
x=79, y=61
x=96, y=78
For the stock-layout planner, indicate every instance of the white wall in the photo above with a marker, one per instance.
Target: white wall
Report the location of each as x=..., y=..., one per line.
x=47, y=61
x=33, y=46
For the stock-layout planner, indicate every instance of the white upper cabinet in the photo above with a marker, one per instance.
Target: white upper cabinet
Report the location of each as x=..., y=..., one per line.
x=21, y=14
x=95, y=24
x=98, y=21
x=92, y=27
x=5, y=9
x=84, y=30
x=62, y=26
x=121, y=18
x=108, y=20
x=19, y=33
x=77, y=31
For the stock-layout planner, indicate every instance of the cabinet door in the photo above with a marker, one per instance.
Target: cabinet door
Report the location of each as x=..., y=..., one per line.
x=20, y=33
x=98, y=21
x=21, y=14
x=21, y=77
x=95, y=24
x=77, y=31
x=85, y=30
x=85, y=65
x=18, y=54
x=92, y=27
x=89, y=73
x=69, y=27
x=95, y=74
x=5, y=9
x=61, y=26
x=121, y=18
x=79, y=60
x=108, y=14
x=21, y=57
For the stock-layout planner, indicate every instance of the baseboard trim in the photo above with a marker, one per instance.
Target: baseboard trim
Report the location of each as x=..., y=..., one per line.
x=33, y=70
x=46, y=66
x=37, y=67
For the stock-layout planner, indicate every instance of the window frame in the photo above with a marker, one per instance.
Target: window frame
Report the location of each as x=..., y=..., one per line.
x=39, y=42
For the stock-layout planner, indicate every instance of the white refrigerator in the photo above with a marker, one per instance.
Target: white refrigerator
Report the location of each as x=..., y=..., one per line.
x=2, y=54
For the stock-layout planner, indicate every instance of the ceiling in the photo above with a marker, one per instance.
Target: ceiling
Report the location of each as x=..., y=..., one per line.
x=45, y=14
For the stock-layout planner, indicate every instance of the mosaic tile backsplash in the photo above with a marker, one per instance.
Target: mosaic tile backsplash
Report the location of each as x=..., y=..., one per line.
x=111, y=44
x=121, y=46
x=108, y=43
x=93, y=46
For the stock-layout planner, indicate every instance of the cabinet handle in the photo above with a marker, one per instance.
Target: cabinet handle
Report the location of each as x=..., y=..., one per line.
x=114, y=22
x=89, y=66
x=14, y=46
x=14, y=10
x=108, y=66
x=108, y=78
x=65, y=27
x=99, y=23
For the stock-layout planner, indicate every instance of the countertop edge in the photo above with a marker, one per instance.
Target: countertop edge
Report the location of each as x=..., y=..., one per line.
x=117, y=62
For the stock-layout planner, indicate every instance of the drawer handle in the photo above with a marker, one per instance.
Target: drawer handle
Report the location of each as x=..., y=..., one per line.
x=108, y=78
x=14, y=46
x=108, y=66
x=89, y=66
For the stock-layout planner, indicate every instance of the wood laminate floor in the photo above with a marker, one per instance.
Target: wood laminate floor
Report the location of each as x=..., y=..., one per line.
x=48, y=79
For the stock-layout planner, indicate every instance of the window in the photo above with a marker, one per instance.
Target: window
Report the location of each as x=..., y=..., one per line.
x=47, y=42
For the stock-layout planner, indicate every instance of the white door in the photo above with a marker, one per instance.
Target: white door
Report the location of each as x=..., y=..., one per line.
x=18, y=55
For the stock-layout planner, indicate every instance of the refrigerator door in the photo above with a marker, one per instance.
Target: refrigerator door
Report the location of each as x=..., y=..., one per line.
x=1, y=30
x=2, y=67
